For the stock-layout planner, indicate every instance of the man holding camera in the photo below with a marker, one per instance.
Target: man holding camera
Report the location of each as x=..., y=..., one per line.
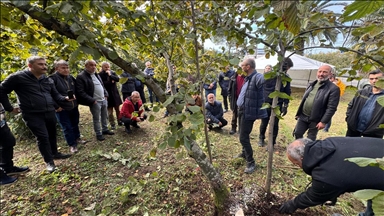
x=67, y=112
x=131, y=112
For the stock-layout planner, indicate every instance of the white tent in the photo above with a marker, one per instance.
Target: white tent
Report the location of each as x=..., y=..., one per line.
x=304, y=69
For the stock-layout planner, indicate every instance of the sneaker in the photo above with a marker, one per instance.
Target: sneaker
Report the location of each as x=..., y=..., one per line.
x=5, y=179
x=233, y=131
x=108, y=132
x=113, y=127
x=250, y=168
x=16, y=170
x=51, y=166
x=261, y=143
x=120, y=123
x=100, y=137
x=81, y=141
x=74, y=149
x=61, y=156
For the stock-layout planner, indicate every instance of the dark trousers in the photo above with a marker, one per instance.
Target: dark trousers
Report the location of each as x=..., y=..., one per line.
x=246, y=129
x=303, y=124
x=222, y=120
x=235, y=119
x=264, y=124
x=328, y=125
x=354, y=133
x=128, y=122
x=7, y=141
x=150, y=93
x=225, y=101
x=69, y=122
x=140, y=89
x=43, y=126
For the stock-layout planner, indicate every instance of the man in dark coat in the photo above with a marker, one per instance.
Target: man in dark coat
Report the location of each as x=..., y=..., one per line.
x=318, y=105
x=67, y=112
x=37, y=95
x=214, y=112
x=331, y=174
x=90, y=92
x=235, y=84
x=364, y=113
x=110, y=78
x=269, y=87
x=249, y=104
x=224, y=78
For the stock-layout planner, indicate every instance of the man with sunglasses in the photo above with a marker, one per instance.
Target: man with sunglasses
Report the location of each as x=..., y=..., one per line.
x=364, y=113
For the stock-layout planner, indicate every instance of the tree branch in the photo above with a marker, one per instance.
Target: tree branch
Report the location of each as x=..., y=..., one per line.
x=261, y=40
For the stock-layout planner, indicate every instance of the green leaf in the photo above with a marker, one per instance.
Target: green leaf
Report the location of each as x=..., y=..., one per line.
x=113, y=55
x=163, y=145
x=265, y=106
x=194, y=109
x=172, y=141
x=81, y=39
x=169, y=100
x=363, y=162
x=234, y=61
x=66, y=7
x=378, y=204
x=133, y=210
x=196, y=118
x=153, y=152
x=156, y=108
x=361, y=8
x=151, y=118
x=187, y=143
x=291, y=21
x=367, y=194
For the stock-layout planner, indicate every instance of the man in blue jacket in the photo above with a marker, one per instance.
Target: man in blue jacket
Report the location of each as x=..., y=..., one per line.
x=214, y=112
x=249, y=104
x=332, y=175
x=37, y=95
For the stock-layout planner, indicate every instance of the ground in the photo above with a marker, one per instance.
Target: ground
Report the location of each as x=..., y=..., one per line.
x=119, y=177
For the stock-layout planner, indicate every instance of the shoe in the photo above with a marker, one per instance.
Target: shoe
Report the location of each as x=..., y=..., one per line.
x=80, y=141
x=261, y=143
x=233, y=131
x=74, y=149
x=250, y=168
x=113, y=127
x=241, y=155
x=61, y=156
x=51, y=166
x=100, y=137
x=16, y=170
x=108, y=132
x=136, y=126
x=5, y=179
x=120, y=123
x=128, y=131
x=325, y=130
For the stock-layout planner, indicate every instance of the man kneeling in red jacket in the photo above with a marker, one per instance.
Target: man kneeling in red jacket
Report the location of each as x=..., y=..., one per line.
x=131, y=112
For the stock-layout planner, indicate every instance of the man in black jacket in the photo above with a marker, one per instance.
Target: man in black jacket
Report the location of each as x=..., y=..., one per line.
x=214, y=112
x=331, y=174
x=235, y=84
x=37, y=95
x=319, y=104
x=224, y=78
x=364, y=113
x=67, y=112
x=91, y=92
x=269, y=87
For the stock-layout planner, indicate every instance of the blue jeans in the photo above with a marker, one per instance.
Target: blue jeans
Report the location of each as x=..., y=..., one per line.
x=100, y=114
x=69, y=122
x=151, y=96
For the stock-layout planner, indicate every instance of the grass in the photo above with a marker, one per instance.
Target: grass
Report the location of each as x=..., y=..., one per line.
x=118, y=176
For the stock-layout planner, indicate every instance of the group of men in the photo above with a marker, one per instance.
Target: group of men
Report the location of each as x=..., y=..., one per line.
x=44, y=101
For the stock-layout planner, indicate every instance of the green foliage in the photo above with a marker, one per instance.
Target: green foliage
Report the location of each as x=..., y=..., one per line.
x=338, y=59
x=359, y=9
x=363, y=162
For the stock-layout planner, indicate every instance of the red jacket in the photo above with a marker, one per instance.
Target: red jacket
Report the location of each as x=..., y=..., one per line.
x=128, y=108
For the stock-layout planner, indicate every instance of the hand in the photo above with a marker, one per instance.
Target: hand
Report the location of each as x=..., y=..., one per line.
x=72, y=99
x=287, y=208
x=220, y=124
x=59, y=109
x=320, y=125
x=284, y=110
x=138, y=119
x=108, y=72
